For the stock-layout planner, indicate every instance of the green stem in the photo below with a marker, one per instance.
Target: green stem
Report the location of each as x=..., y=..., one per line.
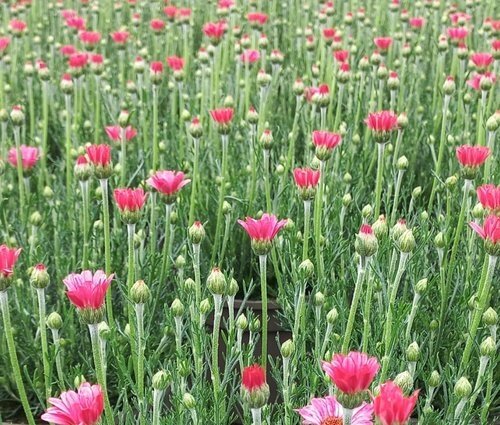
x=107, y=244
x=69, y=168
x=380, y=178
x=45, y=129
x=156, y=148
x=57, y=346
x=4, y=302
x=267, y=180
x=43, y=338
x=84, y=188
x=194, y=187
x=215, y=355
x=157, y=398
x=139, y=314
x=396, y=197
x=218, y=226
x=166, y=243
x=317, y=221
x=354, y=304
x=307, y=225
x=19, y=168
x=263, y=292
x=367, y=314
x=101, y=378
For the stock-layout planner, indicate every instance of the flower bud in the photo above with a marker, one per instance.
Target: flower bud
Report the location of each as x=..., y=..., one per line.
x=188, y=401
x=242, y=322
x=196, y=233
x=402, y=163
x=255, y=325
x=332, y=316
x=346, y=200
x=440, y=241
x=205, y=306
x=54, y=321
x=139, y=293
x=189, y=285
x=232, y=288
x=216, y=282
x=104, y=331
x=492, y=123
x=306, y=269
x=413, y=352
x=367, y=211
x=319, y=299
x=180, y=262
x=177, y=308
x=449, y=86
x=404, y=380
x=415, y=194
x=478, y=211
x=380, y=227
x=17, y=115
x=161, y=380
x=39, y=277
x=406, y=242
x=434, y=379
x=488, y=347
x=463, y=388
x=287, y=348
x=366, y=244
x=490, y=317
x=421, y=286
x=451, y=182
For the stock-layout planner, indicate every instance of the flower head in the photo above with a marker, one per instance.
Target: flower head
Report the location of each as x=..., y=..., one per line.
x=29, y=157
x=391, y=407
x=382, y=123
x=90, y=38
x=222, y=117
x=215, y=31
x=8, y=259
x=168, y=183
x=262, y=231
x=328, y=411
x=383, y=43
x=489, y=196
x=482, y=60
x=87, y=292
x=130, y=203
x=352, y=373
x=157, y=25
x=325, y=142
x=471, y=158
x=306, y=180
x=490, y=232
x=100, y=157
x=114, y=132
x=250, y=56
x=4, y=43
x=457, y=34
x=257, y=19
x=254, y=388
x=175, y=63
x=84, y=407
x=120, y=37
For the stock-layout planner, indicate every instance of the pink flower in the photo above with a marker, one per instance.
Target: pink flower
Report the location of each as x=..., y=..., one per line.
x=352, y=373
x=329, y=33
x=489, y=196
x=458, y=17
x=90, y=38
x=490, y=231
x=472, y=156
x=99, y=155
x=86, y=290
x=114, y=132
x=222, y=116
x=257, y=18
x=250, y=56
x=157, y=25
x=8, y=259
x=120, y=37
x=78, y=60
x=168, y=182
x=457, y=33
x=76, y=23
x=326, y=139
x=263, y=230
x=170, y=11
x=417, y=22
x=382, y=122
x=341, y=55
x=482, y=60
x=391, y=407
x=477, y=80
x=29, y=157
x=383, y=43
x=306, y=177
x=214, y=30
x=4, y=43
x=68, y=13
x=175, y=63
x=253, y=377
x=156, y=67
x=130, y=200
x=96, y=59
x=68, y=50
x=17, y=26
x=76, y=408
x=328, y=411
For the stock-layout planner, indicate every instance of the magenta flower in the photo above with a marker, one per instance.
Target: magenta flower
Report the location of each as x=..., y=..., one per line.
x=489, y=196
x=76, y=408
x=8, y=259
x=168, y=183
x=130, y=200
x=472, y=156
x=383, y=43
x=490, y=232
x=250, y=56
x=29, y=157
x=391, y=407
x=86, y=290
x=114, y=132
x=382, y=123
x=328, y=411
x=263, y=231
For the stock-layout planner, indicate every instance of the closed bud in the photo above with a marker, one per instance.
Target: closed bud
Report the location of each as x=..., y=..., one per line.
x=36, y=219
x=177, y=308
x=346, y=200
x=188, y=401
x=451, y=182
x=266, y=139
x=415, y=194
x=232, y=288
x=255, y=325
x=48, y=193
x=434, y=379
x=380, y=227
x=242, y=322
x=205, y=306
x=104, y=331
x=196, y=233
x=184, y=368
x=434, y=325
x=440, y=241
x=226, y=208
x=189, y=285
x=478, y=211
x=123, y=118
x=319, y=299
x=79, y=380
x=347, y=179
x=463, y=388
x=421, y=286
x=492, y=123
x=306, y=269
x=367, y=211
x=332, y=316
x=406, y=242
x=54, y=321
x=449, y=86
x=488, y=347
x=404, y=380
x=413, y=352
x=287, y=348
x=216, y=282
x=402, y=163
x=17, y=115
x=161, y=380
x=39, y=277
x=490, y=317
x=366, y=244
x=180, y=262
x=139, y=293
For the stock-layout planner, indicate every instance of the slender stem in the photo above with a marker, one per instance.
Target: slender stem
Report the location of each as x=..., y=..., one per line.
x=317, y=221
x=256, y=416
x=97, y=109
x=123, y=156
x=263, y=292
x=354, y=304
x=484, y=293
x=157, y=398
x=411, y=317
x=396, y=196
x=307, y=225
x=218, y=226
x=194, y=187
x=380, y=177
x=267, y=180
x=166, y=242
x=367, y=309
x=100, y=374
x=155, y=162
x=4, y=302
x=152, y=221
x=215, y=355
x=107, y=244
x=57, y=345
x=69, y=168
x=43, y=338
x=45, y=128
x=139, y=314
x=19, y=168
x=84, y=188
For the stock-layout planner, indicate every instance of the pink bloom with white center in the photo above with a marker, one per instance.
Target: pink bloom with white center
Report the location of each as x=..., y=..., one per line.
x=391, y=407
x=383, y=43
x=157, y=25
x=250, y=56
x=114, y=132
x=175, y=63
x=352, y=373
x=17, y=26
x=168, y=182
x=257, y=18
x=482, y=60
x=328, y=411
x=130, y=200
x=264, y=229
x=120, y=37
x=214, y=30
x=76, y=22
x=490, y=230
x=222, y=116
x=472, y=156
x=86, y=290
x=306, y=177
x=487, y=80
x=457, y=33
x=326, y=139
x=29, y=157
x=489, y=197
x=156, y=67
x=78, y=60
x=341, y=55
x=90, y=38
x=329, y=33
x=417, y=22
x=8, y=259
x=84, y=407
